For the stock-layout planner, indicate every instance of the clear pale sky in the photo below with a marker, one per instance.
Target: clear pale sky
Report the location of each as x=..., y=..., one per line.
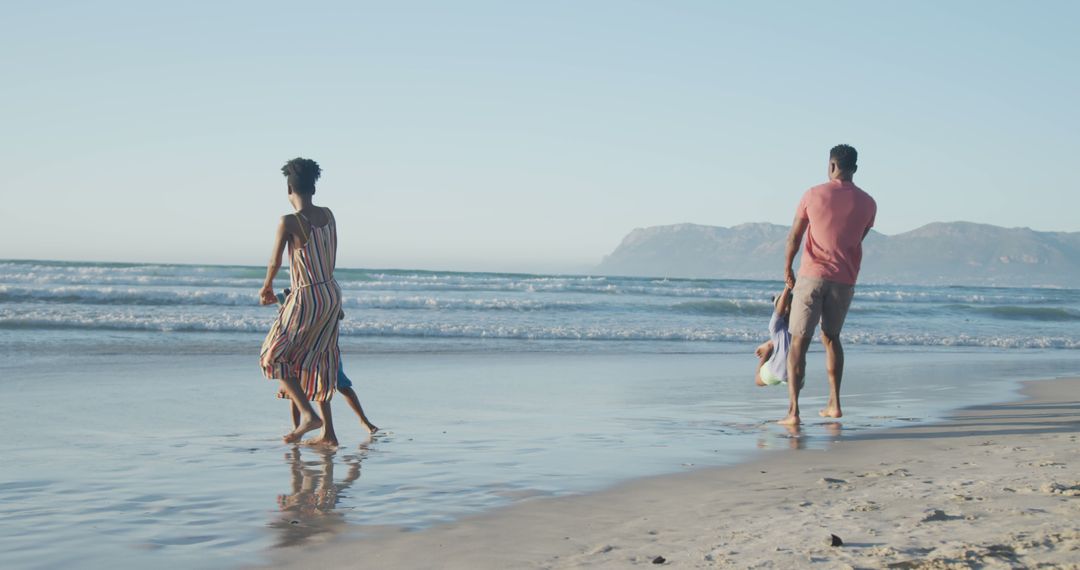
x=520, y=135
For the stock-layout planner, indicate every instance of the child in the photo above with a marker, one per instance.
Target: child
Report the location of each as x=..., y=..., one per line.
x=772, y=355
x=344, y=386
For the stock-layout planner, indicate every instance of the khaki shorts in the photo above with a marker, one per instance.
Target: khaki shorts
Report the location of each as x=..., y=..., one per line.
x=817, y=299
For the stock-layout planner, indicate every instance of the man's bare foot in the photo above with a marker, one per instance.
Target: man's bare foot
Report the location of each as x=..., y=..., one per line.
x=790, y=420
x=305, y=426
x=830, y=413
x=321, y=441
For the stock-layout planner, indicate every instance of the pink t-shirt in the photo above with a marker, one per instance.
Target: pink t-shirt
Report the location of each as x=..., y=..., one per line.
x=840, y=213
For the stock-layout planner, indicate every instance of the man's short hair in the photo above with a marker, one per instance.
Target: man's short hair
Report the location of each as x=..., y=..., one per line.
x=846, y=157
x=302, y=174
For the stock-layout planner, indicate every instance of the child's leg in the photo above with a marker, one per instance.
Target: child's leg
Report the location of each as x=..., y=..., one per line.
x=295, y=414
x=763, y=352
x=354, y=403
x=344, y=387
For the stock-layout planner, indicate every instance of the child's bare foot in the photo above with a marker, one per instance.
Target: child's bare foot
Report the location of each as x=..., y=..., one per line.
x=372, y=428
x=831, y=412
x=305, y=426
x=321, y=441
x=757, y=381
x=790, y=420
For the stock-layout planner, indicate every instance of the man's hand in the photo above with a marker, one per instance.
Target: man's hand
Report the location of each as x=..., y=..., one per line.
x=794, y=240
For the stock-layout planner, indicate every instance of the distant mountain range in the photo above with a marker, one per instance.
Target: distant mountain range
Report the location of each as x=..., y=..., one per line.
x=957, y=253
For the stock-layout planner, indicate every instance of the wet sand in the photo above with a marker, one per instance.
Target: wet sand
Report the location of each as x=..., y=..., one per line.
x=994, y=486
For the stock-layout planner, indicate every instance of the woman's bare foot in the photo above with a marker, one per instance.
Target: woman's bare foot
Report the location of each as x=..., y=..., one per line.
x=830, y=412
x=790, y=420
x=321, y=441
x=311, y=423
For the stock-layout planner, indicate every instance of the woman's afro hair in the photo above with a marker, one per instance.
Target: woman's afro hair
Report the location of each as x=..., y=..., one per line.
x=302, y=174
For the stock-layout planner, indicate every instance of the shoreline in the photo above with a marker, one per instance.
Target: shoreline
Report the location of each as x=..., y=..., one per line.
x=991, y=485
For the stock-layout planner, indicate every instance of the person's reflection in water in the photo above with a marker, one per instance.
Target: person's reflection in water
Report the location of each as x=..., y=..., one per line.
x=793, y=436
x=796, y=438
x=309, y=509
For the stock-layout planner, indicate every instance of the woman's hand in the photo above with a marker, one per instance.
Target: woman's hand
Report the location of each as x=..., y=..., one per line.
x=266, y=295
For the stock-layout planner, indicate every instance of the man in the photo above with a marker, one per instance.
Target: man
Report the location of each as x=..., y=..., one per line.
x=835, y=217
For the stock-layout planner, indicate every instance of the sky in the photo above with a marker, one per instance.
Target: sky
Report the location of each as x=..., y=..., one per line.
x=519, y=136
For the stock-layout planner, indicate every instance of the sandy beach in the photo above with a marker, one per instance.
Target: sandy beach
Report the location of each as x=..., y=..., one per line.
x=994, y=486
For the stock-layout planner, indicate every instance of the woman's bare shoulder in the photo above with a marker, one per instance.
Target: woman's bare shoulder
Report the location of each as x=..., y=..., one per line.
x=292, y=224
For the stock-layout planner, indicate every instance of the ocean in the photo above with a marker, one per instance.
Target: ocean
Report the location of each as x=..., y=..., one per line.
x=403, y=310
x=140, y=430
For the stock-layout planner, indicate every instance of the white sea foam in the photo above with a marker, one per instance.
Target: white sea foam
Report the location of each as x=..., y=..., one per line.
x=138, y=296
x=440, y=305
x=127, y=279
x=132, y=320
x=560, y=285
x=118, y=275
x=358, y=280
x=126, y=295
x=968, y=296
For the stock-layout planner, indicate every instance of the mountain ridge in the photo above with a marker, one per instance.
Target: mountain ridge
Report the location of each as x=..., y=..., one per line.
x=957, y=253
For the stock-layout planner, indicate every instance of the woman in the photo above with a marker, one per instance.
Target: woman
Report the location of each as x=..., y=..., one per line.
x=301, y=350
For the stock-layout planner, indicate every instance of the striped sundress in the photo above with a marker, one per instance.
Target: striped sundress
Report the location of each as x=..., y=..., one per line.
x=303, y=342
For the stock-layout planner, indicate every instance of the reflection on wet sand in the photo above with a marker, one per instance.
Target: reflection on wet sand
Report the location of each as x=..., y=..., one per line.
x=797, y=437
x=309, y=510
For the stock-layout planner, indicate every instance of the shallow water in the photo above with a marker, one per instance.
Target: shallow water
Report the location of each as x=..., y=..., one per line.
x=140, y=432
x=175, y=461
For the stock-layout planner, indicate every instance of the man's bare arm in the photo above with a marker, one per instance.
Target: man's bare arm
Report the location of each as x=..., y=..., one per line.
x=794, y=240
